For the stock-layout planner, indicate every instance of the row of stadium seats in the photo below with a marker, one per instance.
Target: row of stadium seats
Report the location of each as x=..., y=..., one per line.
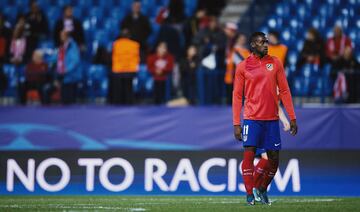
x=100, y=19
x=293, y=18
x=106, y=9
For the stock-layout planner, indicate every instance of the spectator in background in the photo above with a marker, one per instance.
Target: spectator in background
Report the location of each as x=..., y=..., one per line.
x=36, y=76
x=38, y=25
x=173, y=13
x=170, y=34
x=276, y=48
x=213, y=7
x=188, y=69
x=68, y=70
x=3, y=81
x=125, y=65
x=5, y=39
x=347, y=88
x=335, y=46
x=160, y=65
x=18, y=42
x=71, y=25
x=313, y=50
x=139, y=27
x=211, y=43
x=212, y=40
x=235, y=55
x=192, y=26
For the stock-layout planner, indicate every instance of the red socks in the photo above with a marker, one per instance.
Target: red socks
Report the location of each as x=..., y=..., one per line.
x=270, y=172
x=259, y=172
x=248, y=170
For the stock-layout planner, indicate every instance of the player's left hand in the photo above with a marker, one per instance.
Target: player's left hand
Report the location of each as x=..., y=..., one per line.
x=293, y=127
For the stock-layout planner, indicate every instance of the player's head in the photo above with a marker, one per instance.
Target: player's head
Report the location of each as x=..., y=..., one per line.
x=337, y=31
x=68, y=11
x=274, y=37
x=259, y=44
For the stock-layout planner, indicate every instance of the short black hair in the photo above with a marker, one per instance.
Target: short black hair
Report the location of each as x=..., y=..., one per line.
x=254, y=36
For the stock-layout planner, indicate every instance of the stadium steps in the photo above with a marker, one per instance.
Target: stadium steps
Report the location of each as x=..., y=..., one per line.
x=233, y=10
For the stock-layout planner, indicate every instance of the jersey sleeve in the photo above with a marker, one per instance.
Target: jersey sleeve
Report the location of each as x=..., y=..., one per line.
x=238, y=90
x=284, y=90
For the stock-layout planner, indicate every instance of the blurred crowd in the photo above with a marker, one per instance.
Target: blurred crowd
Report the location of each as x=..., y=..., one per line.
x=193, y=58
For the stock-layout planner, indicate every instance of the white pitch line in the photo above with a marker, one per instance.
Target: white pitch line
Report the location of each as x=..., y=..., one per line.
x=73, y=207
x=309, y=200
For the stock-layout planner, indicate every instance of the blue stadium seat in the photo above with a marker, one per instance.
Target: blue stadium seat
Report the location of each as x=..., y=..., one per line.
x=5, y=3
x=97, y=72
x=126, y=4
x=117, y=13
x=97, y=12
x=97, y=81
x=82, y=3
x=10, y=72
x=53, y=13
x=299, y=45
x=144, y=81
x=357, y=56
x=112, y=27
x=274, y=22
x=342, y=21
x=301, y=12
x=11, y=13
x=102, y=36
x=78, y=12
x=292, y=57
x=282, y=9
x=287, y=37
x=155, y=30
x=190, y=6
x=22, y=5
x=59, y=3
x=319, y=23
x=43, y=3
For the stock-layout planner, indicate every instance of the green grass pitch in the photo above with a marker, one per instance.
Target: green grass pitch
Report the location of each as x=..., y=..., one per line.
x=173, y=203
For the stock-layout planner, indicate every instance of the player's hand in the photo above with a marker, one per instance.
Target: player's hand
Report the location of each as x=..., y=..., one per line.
x=286, y=126
x=293, y=127
x=238, y=132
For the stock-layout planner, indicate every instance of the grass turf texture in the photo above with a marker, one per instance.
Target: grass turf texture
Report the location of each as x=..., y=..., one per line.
x=172, y=203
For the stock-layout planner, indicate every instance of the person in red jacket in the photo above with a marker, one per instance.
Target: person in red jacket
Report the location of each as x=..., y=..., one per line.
x=36, y=76
x=257, y=78
x=160, y=65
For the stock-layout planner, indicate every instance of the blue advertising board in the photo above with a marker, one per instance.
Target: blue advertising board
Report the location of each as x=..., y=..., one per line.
x=168, y=151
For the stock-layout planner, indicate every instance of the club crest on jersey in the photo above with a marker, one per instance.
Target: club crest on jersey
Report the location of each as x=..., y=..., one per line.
x=245, y=138
x=269, y=66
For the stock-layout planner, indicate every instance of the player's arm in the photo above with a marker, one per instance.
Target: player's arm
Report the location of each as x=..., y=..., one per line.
x=283, y=119
x=285, y=96
x=237, y=99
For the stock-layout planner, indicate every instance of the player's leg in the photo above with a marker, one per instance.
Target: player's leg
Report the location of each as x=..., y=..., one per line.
x=251, y=137
x=272, y=143
x=270, y=171
x=259, y=171
x=247, y=172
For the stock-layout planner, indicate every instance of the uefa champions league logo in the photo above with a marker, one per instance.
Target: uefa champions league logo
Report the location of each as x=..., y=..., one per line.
x=29, y=136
